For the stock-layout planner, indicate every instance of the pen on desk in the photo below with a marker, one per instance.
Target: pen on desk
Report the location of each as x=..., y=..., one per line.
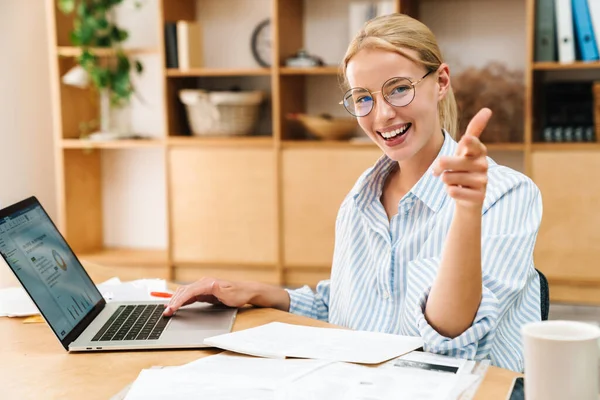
x=161, y=294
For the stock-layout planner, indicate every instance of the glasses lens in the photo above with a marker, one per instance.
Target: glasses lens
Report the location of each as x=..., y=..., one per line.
x=358, y=102
x=399, y=92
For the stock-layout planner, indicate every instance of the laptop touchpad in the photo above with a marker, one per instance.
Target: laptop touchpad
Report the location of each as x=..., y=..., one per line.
x=200, y=317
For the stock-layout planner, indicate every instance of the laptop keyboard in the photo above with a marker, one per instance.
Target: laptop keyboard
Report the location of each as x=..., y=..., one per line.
x=135, y=322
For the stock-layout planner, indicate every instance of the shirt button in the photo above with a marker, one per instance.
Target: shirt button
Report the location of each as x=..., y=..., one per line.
x=386, y=295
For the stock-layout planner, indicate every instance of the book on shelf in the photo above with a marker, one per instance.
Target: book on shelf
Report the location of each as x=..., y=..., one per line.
x=189, y=45
x=568, y=112
x=567, y=31
x=171, y=45
x=545, y=31
x=587, y=49
x=564, y=31
x=183, y=45
x=360, y=12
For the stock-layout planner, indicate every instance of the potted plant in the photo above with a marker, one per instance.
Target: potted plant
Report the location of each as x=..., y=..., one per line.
x=95, y=27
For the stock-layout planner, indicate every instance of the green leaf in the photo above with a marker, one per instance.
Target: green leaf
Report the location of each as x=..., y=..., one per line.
x=94, y=27
x=82, y=9
x=66, y=6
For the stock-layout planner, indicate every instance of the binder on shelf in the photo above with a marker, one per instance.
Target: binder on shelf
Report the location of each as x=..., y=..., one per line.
x=171, y=45
x=584, y=32
x=189, y=45
x=564, y=31
x=594, y=10
x=545, y=31
x=568, y=112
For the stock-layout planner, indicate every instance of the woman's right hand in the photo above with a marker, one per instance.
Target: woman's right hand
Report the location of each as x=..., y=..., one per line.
x=210, y=290
x=232, y=294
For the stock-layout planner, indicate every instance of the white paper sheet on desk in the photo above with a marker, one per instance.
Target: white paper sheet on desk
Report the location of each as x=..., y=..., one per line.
x=14, y=302
x=343, y=381
x=425, y=361
x=138, y=290
x=221, y=377
x=279, y=340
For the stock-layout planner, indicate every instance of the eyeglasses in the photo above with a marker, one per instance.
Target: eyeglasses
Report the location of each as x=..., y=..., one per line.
x=398, y=92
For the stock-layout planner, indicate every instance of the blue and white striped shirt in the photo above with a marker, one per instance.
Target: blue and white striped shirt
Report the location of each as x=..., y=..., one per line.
x=383, y=270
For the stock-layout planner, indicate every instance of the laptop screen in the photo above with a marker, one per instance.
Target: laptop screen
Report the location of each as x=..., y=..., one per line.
x=47, y=268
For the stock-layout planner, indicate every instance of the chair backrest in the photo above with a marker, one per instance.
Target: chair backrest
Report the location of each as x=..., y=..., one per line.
x=544, y=295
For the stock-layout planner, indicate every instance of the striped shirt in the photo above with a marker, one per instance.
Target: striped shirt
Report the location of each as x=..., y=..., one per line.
x=383, y=269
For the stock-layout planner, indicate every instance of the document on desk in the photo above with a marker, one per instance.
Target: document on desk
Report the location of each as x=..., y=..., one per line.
x=343, y=381
x=280, y=340
x=228, y=376
x=15, y=302
x=220, y=377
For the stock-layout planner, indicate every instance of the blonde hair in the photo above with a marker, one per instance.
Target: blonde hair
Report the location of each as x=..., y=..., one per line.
x=396, y=32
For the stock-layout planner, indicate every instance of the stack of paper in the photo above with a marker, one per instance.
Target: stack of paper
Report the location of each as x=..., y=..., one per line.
x=228, y=376
x=279, y=340
x=138, y=290
x=14, y=302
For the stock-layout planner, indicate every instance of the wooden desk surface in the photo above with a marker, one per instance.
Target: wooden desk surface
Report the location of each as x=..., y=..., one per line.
x=33, y=364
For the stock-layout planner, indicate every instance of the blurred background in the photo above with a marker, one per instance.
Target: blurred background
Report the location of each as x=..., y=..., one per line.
x=180, y=138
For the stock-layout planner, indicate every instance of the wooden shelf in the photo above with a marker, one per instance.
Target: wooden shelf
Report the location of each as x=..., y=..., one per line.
x=112, y=144
x=327, y=70
x=258, y=141
x=505, y=146
x=555, y=66
x=367, y=144
x=315, y=144
x=565, y=146
x=126, y=257
x=178, y=73
x=72, y=51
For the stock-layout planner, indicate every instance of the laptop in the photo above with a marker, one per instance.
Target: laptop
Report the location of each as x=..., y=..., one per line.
x=71, y=304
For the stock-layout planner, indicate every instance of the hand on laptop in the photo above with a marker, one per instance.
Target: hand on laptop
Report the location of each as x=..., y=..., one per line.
x=232, y=294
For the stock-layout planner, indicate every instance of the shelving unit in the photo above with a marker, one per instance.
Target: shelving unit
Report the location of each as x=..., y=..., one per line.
x=199, y=72
x=566, y=249
x=263, y=207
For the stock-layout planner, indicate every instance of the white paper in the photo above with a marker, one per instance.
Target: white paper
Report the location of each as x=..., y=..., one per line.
x=228, y=376
x=279, y=340
x=424, y=361
x=430, y=361
x=15, y=302
x=138, y=290
x=221, y=377
x=343, y=381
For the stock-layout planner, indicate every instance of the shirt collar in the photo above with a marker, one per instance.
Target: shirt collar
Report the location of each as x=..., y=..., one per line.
x=429, y=189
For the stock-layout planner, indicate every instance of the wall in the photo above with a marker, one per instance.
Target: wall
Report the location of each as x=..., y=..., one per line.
x=26, y=149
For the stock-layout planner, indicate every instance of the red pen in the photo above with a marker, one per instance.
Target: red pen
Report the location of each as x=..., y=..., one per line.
x=161, y=294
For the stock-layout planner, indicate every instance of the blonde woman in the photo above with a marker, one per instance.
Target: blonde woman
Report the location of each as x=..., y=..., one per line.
x=436, y=239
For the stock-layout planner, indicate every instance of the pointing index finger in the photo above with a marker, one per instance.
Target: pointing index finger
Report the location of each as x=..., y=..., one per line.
x=478, y=122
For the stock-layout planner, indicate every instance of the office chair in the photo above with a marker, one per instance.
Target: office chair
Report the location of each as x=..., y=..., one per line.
x=544, y=295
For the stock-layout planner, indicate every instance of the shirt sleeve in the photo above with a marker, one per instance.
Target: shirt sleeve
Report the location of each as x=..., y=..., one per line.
x=309, y=303
x=510, y=292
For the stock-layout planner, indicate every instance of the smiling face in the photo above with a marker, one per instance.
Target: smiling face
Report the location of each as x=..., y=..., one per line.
x=403, y=133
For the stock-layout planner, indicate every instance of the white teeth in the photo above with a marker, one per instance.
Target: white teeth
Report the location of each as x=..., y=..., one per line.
x=391, y=134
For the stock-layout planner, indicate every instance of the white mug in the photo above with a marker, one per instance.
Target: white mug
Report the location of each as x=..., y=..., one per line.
x=561, y=360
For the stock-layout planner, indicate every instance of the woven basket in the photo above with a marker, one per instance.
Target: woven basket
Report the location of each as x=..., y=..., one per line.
x=221, y=113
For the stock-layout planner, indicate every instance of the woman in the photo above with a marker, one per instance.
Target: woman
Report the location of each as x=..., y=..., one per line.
x=435, y=240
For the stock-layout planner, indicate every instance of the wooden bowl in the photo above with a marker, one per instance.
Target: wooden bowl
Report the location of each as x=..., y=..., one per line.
x=326, y=127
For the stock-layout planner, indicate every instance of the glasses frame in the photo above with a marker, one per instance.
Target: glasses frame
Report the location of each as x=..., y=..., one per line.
x=413, y=84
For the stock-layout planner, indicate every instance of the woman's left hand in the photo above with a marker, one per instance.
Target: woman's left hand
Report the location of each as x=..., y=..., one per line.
x=465, y=174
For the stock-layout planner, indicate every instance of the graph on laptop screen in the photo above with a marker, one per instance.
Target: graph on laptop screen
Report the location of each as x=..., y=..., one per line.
x=43, y=262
